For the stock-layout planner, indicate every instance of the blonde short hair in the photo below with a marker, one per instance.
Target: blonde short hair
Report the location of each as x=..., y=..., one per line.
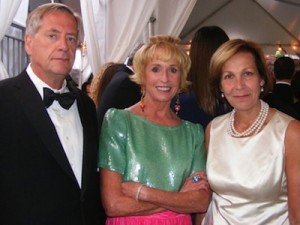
x=169, y=49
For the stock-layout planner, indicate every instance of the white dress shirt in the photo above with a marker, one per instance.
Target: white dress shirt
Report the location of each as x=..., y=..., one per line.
x=67, y=124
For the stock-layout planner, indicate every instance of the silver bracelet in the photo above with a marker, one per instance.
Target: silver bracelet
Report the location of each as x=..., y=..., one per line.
x=138, y=192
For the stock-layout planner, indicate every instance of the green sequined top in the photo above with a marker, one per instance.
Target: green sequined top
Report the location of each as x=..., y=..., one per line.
x=157, y=156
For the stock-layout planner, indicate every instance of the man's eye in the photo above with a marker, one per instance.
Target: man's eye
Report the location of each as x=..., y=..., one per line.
x=52, y=36
x=72, y=39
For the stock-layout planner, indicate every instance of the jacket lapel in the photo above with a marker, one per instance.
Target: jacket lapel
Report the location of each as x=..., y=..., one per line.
x=89, y=137
x=36, y=112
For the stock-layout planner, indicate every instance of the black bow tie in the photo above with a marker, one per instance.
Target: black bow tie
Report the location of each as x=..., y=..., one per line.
x=66, y=100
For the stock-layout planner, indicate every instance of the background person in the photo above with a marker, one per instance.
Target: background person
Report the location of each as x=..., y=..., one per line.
x=284, y=69
x=196, y=104
x=147, y=152
x=295, y=83
x=121, y=92
x=48, y=147
x=281, y=97
x=87, y=85
x=101, y=80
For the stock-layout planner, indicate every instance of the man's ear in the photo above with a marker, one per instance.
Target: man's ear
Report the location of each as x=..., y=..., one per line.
x=28, y=43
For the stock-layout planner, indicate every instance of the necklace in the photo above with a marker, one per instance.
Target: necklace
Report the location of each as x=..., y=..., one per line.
x=254, y=128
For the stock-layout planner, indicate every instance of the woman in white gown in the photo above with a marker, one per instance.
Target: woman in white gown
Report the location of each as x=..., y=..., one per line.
x=253, y=162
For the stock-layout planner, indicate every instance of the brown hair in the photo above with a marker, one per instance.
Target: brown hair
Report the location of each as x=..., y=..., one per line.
x=204, y=43
x=224, y=53
x=102, y=79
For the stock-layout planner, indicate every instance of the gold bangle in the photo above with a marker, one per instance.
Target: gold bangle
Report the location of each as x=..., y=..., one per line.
x=138, y=192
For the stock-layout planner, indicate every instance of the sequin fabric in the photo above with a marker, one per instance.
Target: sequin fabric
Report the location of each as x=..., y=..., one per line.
x=157, y=156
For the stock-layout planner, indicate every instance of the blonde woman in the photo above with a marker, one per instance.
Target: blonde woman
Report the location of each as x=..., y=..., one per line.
x=152, y=162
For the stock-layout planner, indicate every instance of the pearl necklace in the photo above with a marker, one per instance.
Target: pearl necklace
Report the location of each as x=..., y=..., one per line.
x=254, y=128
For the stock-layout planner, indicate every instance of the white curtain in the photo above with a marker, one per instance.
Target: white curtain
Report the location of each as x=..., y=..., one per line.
x=91, y=13
x=8, y=11
x=114, y=27
x=171, y=16
x=21, y=15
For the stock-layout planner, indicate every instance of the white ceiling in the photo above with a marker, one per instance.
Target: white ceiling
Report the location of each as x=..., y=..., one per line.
x=268, y=22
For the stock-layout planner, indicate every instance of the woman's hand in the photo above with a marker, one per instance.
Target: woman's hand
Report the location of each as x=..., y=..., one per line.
x=193, y=196
x=197, y=181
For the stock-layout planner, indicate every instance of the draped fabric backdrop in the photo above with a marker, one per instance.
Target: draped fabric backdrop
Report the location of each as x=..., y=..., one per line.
x=114, y=27
x=8, y=10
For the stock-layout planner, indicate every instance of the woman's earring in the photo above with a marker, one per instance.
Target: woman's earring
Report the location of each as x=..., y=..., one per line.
x=142, y=105
x=262, y=86
x=222, y=95
x=177, y=105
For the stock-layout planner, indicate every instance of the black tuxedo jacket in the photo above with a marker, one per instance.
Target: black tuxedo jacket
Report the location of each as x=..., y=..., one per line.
x=37, y=184
x=120, y=93
x=296, y=106
x=284, y=92
x=282, y=106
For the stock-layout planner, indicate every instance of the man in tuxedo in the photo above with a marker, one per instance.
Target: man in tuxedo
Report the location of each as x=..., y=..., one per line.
x=48, y=131
x=282, y=97
x=295, y=84
x=284, y=69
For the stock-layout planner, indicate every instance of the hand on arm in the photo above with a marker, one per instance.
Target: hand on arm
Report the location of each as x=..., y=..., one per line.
x=193, y=197
x=191, y=185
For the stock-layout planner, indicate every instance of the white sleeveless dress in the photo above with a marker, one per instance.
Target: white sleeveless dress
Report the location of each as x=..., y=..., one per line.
x=247, y=175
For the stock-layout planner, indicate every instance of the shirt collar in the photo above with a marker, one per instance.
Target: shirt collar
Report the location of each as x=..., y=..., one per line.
x=283, y=82
x=39, y=84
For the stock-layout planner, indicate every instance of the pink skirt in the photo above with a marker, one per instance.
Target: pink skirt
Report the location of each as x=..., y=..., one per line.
x=164, y=218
